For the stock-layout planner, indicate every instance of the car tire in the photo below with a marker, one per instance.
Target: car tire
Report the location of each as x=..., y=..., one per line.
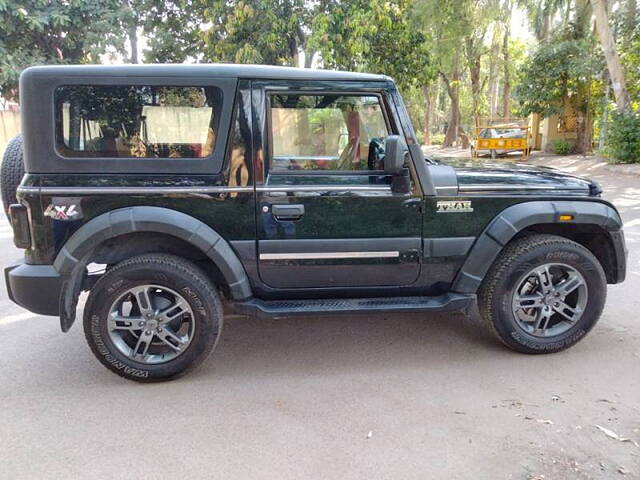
x=138, y=347
x=11, y=172
x=513, y=302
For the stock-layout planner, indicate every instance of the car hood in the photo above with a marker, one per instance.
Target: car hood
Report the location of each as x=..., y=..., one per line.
x=518, y=178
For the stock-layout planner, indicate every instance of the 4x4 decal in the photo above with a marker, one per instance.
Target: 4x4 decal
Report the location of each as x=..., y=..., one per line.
x=64, y=209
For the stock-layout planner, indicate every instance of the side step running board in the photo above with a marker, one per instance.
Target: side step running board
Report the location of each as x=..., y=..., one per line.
x=285, y=308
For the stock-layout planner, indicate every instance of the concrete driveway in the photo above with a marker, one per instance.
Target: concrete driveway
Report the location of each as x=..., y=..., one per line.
x=384, y=397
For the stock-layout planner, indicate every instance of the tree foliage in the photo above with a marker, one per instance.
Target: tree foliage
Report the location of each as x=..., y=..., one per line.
x=560, y=68
x=172, y=29
x=631, y=64
x=374, y=36
x=561, y=76
x=357, y=35
x=454, y=60
x=265, y=32
x=42, y=31
x=623, y=142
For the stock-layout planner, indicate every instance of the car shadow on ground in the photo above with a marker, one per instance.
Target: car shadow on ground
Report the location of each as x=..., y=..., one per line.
x=252, y=348
x=314, y=345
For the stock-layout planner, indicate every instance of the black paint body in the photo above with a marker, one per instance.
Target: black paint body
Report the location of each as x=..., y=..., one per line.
x=428, y=239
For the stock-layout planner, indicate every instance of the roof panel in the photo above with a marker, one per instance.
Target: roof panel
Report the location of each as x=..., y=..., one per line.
x=202, y=70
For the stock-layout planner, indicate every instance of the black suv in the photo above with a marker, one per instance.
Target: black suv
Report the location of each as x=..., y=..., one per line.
x=168, y=191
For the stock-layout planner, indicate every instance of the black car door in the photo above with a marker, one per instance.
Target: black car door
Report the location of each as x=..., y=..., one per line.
x=326, y=214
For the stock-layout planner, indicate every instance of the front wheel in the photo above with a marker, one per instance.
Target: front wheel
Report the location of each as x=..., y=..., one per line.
x=543, y=294
x=152, y=317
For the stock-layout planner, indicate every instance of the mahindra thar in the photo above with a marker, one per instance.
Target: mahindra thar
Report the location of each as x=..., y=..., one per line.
x=168, y=192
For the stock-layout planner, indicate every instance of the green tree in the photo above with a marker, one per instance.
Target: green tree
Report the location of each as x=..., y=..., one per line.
x=607, y=42
x=541, y=14
x=42, y=31
x=563, y=69
x=269, y=31
x=354, y=35
x=631, y=62
x=439, y=21
x=374, y=36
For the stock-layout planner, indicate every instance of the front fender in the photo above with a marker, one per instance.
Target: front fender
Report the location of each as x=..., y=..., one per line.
x=518, y=217
x=72, y=259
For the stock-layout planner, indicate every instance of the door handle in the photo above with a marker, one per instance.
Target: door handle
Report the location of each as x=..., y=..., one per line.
x=287, y=212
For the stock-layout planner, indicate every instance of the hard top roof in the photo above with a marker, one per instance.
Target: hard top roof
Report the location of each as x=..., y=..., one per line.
x=200, y=70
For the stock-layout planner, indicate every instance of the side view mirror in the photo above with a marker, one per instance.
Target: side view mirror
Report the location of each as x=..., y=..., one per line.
x=395, y=149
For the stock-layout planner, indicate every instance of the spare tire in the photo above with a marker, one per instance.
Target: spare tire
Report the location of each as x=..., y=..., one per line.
x=11, y=171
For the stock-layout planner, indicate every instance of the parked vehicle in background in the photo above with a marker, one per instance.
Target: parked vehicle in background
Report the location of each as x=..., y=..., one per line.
x=167, y=191
x=499, y=137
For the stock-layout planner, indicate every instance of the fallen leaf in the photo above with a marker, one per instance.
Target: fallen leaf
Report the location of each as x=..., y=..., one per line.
x=370, y=434
x=542, y=420
x=555, y=398
x=623, y=470
x=608, y=433
x=615, y=436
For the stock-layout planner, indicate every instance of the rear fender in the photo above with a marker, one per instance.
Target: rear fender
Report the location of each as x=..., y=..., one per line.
x=73, y=258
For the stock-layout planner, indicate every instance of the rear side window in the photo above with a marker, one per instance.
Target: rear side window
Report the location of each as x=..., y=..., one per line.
x=137, y=121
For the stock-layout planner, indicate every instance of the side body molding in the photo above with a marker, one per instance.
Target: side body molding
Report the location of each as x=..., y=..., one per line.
x=72, y=259
x=518, y=217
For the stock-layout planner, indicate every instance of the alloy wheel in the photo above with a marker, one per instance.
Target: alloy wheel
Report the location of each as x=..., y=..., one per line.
x=549, y=299
x=151, y=324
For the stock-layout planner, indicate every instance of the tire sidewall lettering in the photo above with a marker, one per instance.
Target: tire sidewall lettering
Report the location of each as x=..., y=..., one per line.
x=107, y=355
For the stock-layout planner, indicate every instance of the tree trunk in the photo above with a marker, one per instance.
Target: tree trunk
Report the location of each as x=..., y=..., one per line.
x=584, y=132
x=476, y=90
x=428, y=108
x=630, y=21
x=493, y=77
x=613, y=60
x=294, y=53
x=546, y=27
x=567, y=14
x=453, y=90
x=133, y=40
x=604, y=120
x=132, y=33
x=308, y=58
x=506, y=88
x=588, y=133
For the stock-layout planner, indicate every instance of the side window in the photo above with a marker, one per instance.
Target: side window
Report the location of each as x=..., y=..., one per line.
x=327, y=132
x=137, y=121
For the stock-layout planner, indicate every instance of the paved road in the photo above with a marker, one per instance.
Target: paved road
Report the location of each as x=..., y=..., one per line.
x=380, y=397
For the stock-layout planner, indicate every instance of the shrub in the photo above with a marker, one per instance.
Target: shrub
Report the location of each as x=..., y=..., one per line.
x=622, y=144
x=437, y=139
x=562, y=147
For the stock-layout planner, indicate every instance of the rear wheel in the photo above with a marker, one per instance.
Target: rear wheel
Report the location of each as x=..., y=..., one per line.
x=543, y=294
x=11, y=171
x=152, y=317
